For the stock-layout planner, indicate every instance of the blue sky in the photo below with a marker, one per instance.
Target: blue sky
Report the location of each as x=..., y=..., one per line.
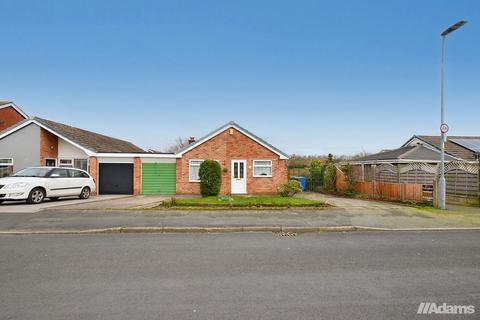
x=311, y=77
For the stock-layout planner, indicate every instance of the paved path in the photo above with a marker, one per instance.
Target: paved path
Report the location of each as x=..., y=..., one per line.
x=237, y=276
x=23, y=207
x=125, y=202
x=349, y=203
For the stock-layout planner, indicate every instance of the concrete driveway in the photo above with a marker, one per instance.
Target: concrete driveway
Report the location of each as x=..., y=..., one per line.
x=121, y=203
x=349, y=203
x=23, y=207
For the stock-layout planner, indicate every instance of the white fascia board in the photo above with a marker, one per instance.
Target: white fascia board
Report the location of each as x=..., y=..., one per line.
x=6, y=133
x=87, y=151
x=283, y=157
x=139, y=155
x=179, y=155
x=409, y=141
x=422, y=142
x=14, y=106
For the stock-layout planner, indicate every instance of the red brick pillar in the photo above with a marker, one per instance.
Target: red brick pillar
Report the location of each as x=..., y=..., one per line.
x=93, y=170
x=137, y=176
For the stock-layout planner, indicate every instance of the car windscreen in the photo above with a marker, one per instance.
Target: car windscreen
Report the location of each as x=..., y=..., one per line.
x=33, y=172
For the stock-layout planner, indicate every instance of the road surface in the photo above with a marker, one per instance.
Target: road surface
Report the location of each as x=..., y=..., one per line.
x=369, y=275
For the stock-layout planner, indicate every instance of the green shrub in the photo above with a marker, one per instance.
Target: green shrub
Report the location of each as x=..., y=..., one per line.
x=330, y=178
x=290, y=188
x=210, y=178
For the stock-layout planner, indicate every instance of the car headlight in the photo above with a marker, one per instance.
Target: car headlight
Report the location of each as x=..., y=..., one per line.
x=16, y=185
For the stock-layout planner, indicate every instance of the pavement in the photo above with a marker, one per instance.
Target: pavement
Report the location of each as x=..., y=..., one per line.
x=72, y=202
x=132, y=214
x=352, y=275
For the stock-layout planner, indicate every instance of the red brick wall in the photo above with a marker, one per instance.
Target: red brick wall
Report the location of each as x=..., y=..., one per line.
x=48, y=146
x=226, y=147
x=8, y=117
x=93, y=170
x=137, y=176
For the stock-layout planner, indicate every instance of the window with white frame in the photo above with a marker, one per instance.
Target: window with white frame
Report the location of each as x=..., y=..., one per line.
x=65, y=163
x=6, y=162
x=194, y=168
x=80, y=164
x=262, y=168
x=6, y=167
x=73, y=163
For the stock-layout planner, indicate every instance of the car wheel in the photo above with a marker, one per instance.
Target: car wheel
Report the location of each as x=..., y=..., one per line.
x=36, y=196
x=1, y=201
x=85, y=194
x=54, y=198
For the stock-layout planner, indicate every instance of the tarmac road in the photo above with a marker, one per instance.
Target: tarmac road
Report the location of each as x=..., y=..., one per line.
x=368, y=275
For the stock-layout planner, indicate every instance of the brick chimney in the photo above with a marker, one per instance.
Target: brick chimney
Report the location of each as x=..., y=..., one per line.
x=191, y=140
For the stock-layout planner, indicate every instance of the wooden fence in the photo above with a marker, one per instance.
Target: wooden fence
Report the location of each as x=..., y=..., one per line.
x=387, y=190
x=392, y=191
x=462, y=178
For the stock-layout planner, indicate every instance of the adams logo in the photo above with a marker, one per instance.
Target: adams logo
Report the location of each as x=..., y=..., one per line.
x=433, y=308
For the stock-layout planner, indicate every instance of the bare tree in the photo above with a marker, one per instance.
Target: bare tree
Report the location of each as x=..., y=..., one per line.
x=177, y=145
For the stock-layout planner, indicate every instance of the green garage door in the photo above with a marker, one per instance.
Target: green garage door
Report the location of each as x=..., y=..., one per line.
x=158, y=178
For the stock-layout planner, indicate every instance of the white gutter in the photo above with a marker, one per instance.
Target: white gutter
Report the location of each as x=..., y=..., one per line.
x=139, y=155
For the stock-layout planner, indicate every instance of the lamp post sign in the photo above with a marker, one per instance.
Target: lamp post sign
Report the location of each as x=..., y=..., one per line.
x=444, y=128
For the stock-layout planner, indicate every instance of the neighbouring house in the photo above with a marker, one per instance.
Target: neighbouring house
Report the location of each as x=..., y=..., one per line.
x=417, y=162
x=418, y=151
x=41, y=142
x=465, y=148
x=249, y=164
x=10, y=114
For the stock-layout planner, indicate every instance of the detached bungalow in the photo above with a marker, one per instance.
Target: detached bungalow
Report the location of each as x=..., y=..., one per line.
x=249, y=164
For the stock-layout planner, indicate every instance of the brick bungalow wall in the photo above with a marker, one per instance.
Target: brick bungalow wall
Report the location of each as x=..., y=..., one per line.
x=48, y=146
x=229, y=145
x=137, y=176
x=8, y=117
x=93, y=170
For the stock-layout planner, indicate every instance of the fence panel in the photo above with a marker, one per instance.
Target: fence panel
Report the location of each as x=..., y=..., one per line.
x=392, y=191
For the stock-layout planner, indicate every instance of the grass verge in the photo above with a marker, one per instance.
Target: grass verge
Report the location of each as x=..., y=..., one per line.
x=241, y=202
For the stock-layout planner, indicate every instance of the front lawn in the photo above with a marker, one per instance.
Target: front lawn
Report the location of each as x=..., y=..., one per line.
x=242, y=202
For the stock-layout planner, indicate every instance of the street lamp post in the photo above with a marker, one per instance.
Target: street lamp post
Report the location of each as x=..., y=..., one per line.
x=443, y=125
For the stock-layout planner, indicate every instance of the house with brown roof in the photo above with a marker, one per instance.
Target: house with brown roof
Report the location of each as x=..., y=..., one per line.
x=416, y=161
x=465, y=148
x=41, y=142
x=249, y=164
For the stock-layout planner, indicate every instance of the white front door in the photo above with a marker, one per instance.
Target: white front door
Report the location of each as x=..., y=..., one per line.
x=239, y=176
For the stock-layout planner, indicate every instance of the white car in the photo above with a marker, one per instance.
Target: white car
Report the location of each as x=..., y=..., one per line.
x=37, y=183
